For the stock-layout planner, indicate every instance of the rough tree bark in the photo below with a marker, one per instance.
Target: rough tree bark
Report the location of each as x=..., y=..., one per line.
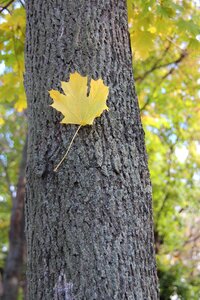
x=89, y=226
x=13, y=271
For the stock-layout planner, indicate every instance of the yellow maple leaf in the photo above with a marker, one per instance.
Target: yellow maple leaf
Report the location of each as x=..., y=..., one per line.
x=78, y=107
x=75, y=105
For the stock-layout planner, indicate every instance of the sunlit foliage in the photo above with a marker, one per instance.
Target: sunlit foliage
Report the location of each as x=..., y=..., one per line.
x=165, y=39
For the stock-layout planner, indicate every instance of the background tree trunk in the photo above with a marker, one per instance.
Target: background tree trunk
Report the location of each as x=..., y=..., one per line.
x=89, y=226
x=13, y=273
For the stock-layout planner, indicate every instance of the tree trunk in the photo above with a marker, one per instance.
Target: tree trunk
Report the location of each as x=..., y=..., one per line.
x=13, y=272
x=89, y=226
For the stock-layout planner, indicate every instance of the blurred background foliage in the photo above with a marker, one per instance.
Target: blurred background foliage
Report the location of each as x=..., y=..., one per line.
x=165, y=40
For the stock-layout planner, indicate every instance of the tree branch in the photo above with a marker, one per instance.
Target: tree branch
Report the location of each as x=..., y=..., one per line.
x=6, y=6
x=142, y=77
x=13, y=270
x=22, y=3
x=156, y=66
x=170, y=71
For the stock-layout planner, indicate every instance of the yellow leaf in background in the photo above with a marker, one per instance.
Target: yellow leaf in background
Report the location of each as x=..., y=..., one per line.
x=21, y=104
x=142, y=43
x=152, y=29
x=164, y=27
x=75, y=105
x=1, y=121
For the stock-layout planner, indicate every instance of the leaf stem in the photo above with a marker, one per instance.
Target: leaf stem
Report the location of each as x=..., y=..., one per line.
x=56, y=168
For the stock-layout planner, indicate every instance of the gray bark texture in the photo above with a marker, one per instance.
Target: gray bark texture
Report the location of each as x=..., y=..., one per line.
x=88, y=226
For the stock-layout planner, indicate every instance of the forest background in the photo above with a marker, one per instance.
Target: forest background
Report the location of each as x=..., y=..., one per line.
x=165, y=40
